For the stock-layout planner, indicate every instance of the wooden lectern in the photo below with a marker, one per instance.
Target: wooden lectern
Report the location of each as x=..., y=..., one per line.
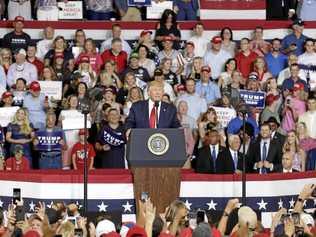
x=156, y=157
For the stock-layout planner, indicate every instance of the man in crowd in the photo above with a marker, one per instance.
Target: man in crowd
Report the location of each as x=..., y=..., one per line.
x=276, y=135
x=16, y=39
x=285, y=73
x=287, y=163
x=288, y=84
x=216, y=57
x=199, y=41
x=21, y=68
x=45, y=44
x=309, y=117
x=31, y=58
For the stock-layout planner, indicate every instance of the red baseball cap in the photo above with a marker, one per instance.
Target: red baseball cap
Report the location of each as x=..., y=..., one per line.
x=19, y=18
x=59, y=55
x=6, y=94
x=206, y=68
x=83, y=132
x=111, y=234
x=167, y=38
x=84, y=59
x=145, y=32
x=35, y=86
x=136, y=230
x=271, y=98
x=298, y=87
x=216, y=40
x=180, y=88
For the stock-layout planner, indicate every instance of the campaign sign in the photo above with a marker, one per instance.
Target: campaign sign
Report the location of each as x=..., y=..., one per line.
x=7, y=114
x=74, y=119
x=253, y=98
x=49, y=141
x=70, y=10
x=157, y=8
x=52, y=89
x=139, y=3
x=224, y=115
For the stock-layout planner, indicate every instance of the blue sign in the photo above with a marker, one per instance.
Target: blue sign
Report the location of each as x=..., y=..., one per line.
x=139, y=3
x=49, y=141
x=253, y=98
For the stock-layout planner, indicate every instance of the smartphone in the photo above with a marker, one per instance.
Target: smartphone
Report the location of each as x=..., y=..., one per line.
x=200, y=216
x=192, y=220
x=78, y=232
x=144, y=196
x=19, y=213
x=72, y=219
x=296, y=218
x=16, y=195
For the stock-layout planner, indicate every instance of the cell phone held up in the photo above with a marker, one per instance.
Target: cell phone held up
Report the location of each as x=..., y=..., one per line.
x=16, y=195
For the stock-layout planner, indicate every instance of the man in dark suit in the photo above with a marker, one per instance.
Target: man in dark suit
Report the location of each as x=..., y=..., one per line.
x=229, y=160
x=207, y=155
x=287, y=163
x=275, y=134
x=152, y=113
x=265, y=154
x=281, y=9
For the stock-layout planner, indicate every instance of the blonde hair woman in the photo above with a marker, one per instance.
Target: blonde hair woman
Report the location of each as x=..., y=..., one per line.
x=20, y=132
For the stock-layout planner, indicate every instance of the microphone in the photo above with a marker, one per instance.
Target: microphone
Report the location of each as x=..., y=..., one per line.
x=156, y=106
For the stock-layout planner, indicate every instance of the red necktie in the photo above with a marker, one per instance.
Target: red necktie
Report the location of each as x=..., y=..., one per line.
x=152, y=118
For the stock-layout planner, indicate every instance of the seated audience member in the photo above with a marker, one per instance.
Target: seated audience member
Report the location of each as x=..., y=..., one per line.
x=168, y=26
x=258, y=44
x=291, y=144
x=200, y=42
x=309, y=117
x=196, y=104
x=18, y=162
x=20, y=132
x=227, y=41
x=216, y=57
x=294, y=42
x=206, y=87
x=207, y=155
x=16, y=39
x=229, y=160
x=21, y=68
x=288, y=84
x=140, y=72
x=78, y=153
x=111, y=142
x=144, y=59
x=116, y=54
x=37, y=104
x=31, y=58
x=269, y=152
x=44, y=45
x=287, y=163
x=186, y=10
x=245, y=57
x=51, y=159
x=116, y=33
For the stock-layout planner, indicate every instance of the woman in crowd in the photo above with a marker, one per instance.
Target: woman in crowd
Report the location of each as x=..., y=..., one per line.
x=111, y=141
x=227, y=41
x=146, y=39
x=196, y=68
x=5, y=59
x=19, y=92
x=134, y=94
x=272, y=88
x=88, y=76
x=90, y=50
x=110, y=76
x=170, y=77
x=20, y=132
x=82, y=93
x=168, y=26
x=225, y=78
x=48, y=74
x=144, y=61
x=260, y=68
x=59, y=46
x=292, y=144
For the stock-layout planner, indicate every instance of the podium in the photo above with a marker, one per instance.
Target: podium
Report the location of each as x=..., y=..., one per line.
x=155, y=157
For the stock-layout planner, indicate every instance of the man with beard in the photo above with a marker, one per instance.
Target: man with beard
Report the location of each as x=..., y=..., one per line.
x=276, y=61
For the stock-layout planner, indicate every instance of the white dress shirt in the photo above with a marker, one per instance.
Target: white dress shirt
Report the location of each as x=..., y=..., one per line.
x=200, y=45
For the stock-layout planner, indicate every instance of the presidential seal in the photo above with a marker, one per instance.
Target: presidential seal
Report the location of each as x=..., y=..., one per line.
x=158, y=144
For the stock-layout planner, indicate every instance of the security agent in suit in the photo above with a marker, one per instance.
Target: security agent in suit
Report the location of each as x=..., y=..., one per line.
x=287, y=163
x=205, y=162
x=265, y=154
x=229, y=160
x=140, y=115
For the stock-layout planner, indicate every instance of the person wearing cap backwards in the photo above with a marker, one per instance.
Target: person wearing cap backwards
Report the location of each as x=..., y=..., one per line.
x=140, y=72
x=143, y=113
x=294, y=42
x=16, y=39
x=216, y=57
x=169, y=52
x=37, y=104
x=206, y=87
x=21, y=68
x=18, y=162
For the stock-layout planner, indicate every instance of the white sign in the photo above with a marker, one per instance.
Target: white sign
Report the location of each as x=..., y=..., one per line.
x=70, y=10
x=52, y=89
x=156, y=9
x=74, y=119
x=224, y=115
x=7, y=114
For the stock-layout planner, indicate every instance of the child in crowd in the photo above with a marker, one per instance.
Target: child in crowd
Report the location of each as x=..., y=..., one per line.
x=18, y=162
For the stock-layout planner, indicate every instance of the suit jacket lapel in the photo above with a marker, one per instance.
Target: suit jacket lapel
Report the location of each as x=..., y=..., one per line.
x=146, y=113
x=161, y=114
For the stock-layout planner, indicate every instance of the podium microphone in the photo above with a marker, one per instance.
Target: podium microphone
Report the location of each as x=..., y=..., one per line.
x=156, y=106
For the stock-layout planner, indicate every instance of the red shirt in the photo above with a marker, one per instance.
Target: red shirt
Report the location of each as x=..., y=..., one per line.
x=78, y=150
x=244, y=63
x=120, y=59
x=39, y=65
x=11, y=164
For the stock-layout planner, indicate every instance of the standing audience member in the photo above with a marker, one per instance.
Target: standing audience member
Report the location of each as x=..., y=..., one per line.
x=227, y=41
x=309, y=117
x=258, y=44
x=44, y=45
x=200, y=42
x=186, y=10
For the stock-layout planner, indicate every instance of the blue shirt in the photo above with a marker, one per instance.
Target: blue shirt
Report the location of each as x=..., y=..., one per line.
x=276, y=64
x=288, y=84
x=209, y=91
x=35, y=106
x=235, y=124
x=291, y=39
